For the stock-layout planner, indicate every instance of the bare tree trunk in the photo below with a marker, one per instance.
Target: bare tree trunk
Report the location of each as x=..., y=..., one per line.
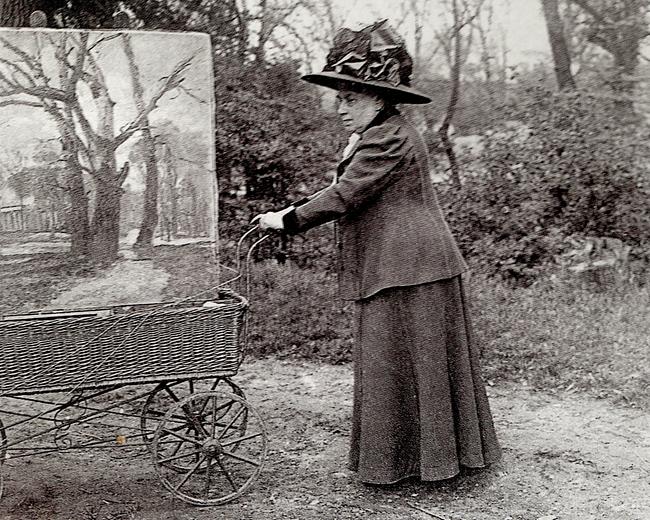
x=492, y=86
x=16, y=13
x=170, y=197
x=106, y=222
x=78, y=224
x=418, y=27
x=241, y=40
x=263, y=36
x=78, y=219
x=626, y=61
x=443, y=131
x=270, y=18
x=173, y=194
x=150, y=211
x=619, y=28
x=195, y=229
x=559, y=48
x=105, y=227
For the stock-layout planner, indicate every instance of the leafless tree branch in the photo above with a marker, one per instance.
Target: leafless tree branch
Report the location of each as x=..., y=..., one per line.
x=13, y=102
x=103, y=39
x=591, y=10
x=170, y=82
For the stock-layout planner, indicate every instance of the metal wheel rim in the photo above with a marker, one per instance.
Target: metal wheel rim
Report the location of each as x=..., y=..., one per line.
x=145, y=414
x=239, y=490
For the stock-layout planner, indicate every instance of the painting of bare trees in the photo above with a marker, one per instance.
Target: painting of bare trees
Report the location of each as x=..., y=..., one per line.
x=106, y=138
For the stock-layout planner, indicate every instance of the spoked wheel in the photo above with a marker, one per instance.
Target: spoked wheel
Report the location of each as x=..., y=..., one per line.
x=167, y=394
x=3, y=453
x=221, y=460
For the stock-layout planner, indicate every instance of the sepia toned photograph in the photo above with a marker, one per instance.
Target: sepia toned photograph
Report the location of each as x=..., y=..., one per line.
x=324, y=259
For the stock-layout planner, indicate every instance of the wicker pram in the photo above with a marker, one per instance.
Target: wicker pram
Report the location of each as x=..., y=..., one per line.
x=207, y=443
x=58, y=350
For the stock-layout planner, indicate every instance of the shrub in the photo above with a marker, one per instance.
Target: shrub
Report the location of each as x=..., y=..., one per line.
x=572, y=169
x=274, y=145
x=294, y=312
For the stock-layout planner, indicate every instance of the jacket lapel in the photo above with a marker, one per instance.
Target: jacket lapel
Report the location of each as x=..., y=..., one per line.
x=341, y=166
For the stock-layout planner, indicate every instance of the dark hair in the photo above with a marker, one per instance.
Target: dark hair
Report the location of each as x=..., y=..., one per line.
x=390, y=100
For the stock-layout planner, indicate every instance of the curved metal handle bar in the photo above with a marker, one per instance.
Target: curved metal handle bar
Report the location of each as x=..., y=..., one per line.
x=240, y=242
x=238, y=257
x=249, y=256
x=247, y=290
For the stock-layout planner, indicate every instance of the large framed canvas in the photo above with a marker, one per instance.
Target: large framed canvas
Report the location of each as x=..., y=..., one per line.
x=107, y=143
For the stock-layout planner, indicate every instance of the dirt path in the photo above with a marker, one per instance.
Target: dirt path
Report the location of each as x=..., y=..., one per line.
x=565, y=457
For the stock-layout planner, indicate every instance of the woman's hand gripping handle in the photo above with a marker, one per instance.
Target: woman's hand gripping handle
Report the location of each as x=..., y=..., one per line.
x=272, y=219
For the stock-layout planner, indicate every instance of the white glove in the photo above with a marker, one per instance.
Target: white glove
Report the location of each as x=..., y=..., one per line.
x=272, y=219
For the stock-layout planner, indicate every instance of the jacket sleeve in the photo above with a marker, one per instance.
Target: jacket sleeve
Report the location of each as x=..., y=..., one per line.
x=379, y=153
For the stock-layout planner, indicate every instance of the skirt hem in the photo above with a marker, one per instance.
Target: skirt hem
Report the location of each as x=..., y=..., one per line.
x=444, y=475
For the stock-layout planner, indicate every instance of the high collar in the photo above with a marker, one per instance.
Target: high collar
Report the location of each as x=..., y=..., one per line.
x=382, y=116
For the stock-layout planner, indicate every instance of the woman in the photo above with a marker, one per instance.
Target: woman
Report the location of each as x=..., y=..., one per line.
x=420, y=407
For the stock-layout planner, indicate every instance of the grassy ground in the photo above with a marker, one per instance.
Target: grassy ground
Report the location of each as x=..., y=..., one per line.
x=563, y=337
x=556, y=337
x=30, y=282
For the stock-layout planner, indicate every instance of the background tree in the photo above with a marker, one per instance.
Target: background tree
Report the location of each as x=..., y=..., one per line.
x=270, y=143
x=618, y=28
x=148, y=149
x=12, y=161
x=226, y=21
x=493, y=82
x=456, y=42
x=20, y=182
x=569, y=169
x=49, y=186
x=273, y=145
x=59, y=13
x=182, y=158
x=16, y=13
x=559, y=47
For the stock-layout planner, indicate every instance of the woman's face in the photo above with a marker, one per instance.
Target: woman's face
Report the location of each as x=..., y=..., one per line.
x=357, y=110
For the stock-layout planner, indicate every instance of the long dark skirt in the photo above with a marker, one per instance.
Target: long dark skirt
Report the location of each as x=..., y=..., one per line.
x=420, y=407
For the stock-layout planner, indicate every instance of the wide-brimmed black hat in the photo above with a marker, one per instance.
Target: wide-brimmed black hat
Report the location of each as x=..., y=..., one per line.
x=374, y=57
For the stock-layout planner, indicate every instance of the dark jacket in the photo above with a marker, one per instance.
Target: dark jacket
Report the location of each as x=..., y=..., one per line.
x=391, y=230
